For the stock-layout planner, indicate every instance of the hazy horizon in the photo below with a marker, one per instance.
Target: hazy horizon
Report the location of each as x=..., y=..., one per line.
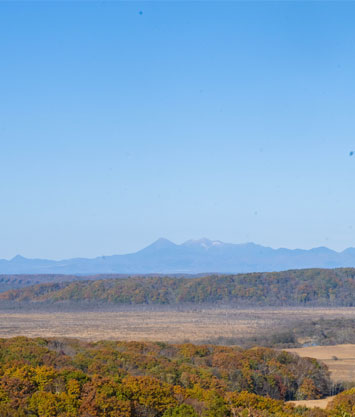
x=121, y=122
x=178, y=244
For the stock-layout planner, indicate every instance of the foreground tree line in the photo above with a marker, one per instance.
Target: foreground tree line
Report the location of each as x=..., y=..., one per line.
x=69, y=378
x=330, y=287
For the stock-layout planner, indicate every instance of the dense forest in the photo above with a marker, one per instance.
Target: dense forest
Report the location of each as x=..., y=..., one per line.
x=51, y=377
x=330, y=287
x=15, y=281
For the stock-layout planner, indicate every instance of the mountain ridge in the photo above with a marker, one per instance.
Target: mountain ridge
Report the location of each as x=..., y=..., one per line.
x=191, y=257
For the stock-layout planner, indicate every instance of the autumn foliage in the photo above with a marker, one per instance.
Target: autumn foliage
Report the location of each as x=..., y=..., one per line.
x=328, y=287
x=70, y=378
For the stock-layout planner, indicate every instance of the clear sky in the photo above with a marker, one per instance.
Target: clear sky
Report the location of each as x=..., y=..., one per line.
x=124, y=122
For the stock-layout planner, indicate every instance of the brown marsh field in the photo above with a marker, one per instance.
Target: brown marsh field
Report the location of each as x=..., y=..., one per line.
x=322, y=403
x=193, y=324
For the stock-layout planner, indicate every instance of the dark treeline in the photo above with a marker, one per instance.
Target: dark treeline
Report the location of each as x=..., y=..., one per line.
x=312, y=287
x=68, y=378
x=16, y=281
x=321, y=332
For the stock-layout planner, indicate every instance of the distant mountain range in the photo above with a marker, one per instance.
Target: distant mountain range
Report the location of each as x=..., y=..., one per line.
x=191, y=257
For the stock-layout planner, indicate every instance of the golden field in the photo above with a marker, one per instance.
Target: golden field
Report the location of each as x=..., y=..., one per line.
x=171, y=325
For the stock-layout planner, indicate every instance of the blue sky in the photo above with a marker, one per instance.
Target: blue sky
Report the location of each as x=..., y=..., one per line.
x=121, y=122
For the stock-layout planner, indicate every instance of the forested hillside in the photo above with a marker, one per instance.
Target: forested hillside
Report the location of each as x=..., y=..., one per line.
x=15, y=281
x=329, y=287
x=48, y=378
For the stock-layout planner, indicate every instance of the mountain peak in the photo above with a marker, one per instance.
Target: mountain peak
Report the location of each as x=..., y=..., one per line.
x=202, y=243
x=160, y=243
x=18, y=258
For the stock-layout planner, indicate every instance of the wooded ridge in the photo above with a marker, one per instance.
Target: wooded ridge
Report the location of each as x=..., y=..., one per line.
x=328, y=287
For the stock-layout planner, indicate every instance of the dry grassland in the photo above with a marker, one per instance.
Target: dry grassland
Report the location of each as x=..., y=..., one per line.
x=164, y=325
x=313, y=403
